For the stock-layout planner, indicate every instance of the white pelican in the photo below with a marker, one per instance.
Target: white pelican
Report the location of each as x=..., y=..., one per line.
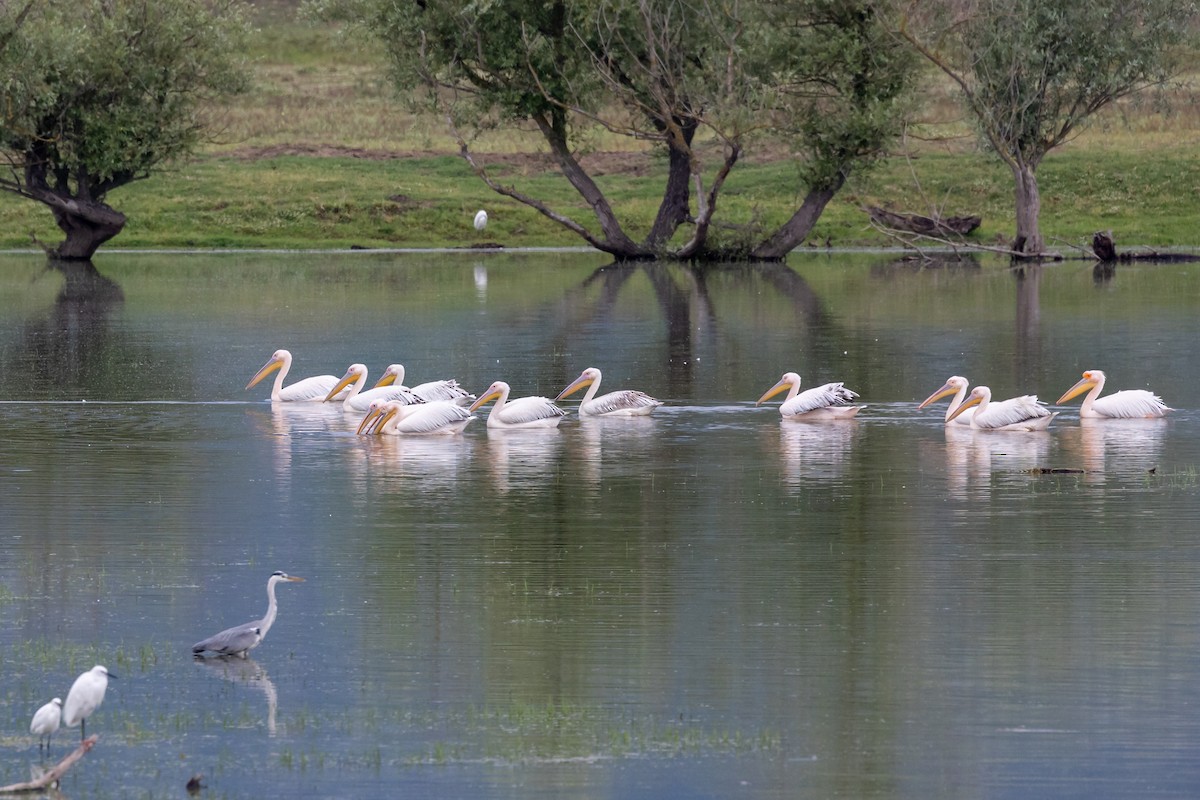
x=523, y=412
x=956, y=385
x=1126, y=404
x=430, y=391
x=439, y=417
x=1023, y=413
x=625, y=403
x=828, y=402
x=312, y=389
x=358, y=400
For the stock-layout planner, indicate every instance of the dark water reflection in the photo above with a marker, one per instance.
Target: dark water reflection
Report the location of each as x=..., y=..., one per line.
x=709, y=602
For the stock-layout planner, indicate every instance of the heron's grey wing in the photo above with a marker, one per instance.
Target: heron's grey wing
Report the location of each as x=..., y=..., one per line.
x=231, y=640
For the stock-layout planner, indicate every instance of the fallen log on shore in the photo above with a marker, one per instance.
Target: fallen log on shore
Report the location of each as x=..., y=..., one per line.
x=926, y=226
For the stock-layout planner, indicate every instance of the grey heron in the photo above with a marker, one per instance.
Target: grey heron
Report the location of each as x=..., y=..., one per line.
x=240, y=639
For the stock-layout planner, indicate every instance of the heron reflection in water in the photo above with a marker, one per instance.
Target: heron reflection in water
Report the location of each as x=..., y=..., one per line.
x=245, y=672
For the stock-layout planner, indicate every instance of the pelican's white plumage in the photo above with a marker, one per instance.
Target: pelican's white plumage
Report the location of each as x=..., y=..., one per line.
x=312, y=389
x=444, y=417
x=46, y=720
x=481, y=219
x=523, y=412
x=624, y=403
x=829, y=402
x=956, y=385
x=356, y=399
x=430, y=391
x=1022, y=413
x=1125, y=404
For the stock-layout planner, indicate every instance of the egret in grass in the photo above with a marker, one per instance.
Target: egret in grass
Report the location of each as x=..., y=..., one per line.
x=480, y=219
x=240, y=639
x=46, y=720
x=86, y=695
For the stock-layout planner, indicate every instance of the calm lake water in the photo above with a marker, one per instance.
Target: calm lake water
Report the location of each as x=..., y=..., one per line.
x=707, y=603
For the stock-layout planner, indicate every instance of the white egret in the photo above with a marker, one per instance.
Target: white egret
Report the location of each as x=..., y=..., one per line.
x=86, y=695
x=481, y=219
x=523, y=412
x=429, y=391
x=443, y=417
x=624, y=403
x=1022, y=413
x=956, y=385
x=46, y=720
x=1125, y=404
x=240, y=639
x=831, y=401
x=312, y=389
x=357, y=400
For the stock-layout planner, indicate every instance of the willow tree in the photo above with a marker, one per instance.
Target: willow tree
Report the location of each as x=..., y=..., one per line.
x=97, y=94
x=703, y=81
x=1034, y=72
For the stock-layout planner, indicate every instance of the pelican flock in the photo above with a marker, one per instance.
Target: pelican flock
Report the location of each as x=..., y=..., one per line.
x=443, y=407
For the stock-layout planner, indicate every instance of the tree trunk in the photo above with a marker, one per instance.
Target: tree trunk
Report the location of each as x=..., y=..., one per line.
x=87, y=226
x=616, y=243
x=1028, y=207
x=676, y=201
x=794, y=231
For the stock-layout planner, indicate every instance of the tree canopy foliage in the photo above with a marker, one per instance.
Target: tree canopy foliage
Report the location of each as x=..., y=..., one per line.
x=95, y=94
x=702, y=81
x=1033, y=72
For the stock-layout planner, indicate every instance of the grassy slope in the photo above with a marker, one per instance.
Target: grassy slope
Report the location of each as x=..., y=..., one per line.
x=319, y=155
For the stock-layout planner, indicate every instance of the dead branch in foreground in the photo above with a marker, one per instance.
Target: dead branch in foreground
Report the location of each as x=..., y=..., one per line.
x=52, y=776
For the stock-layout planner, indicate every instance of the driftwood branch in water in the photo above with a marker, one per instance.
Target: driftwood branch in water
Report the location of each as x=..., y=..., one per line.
x=926, y=226
x=52, y=776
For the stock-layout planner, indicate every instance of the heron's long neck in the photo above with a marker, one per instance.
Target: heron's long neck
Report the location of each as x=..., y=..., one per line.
x=272, y=610
x=959, y=396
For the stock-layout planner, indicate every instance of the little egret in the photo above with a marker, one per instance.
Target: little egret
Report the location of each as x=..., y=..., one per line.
x=86, y=695
x=480, y=219
x=240, y=639
x=46, y=720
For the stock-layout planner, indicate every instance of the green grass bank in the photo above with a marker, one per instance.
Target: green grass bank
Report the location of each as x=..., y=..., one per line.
x=320, y=154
